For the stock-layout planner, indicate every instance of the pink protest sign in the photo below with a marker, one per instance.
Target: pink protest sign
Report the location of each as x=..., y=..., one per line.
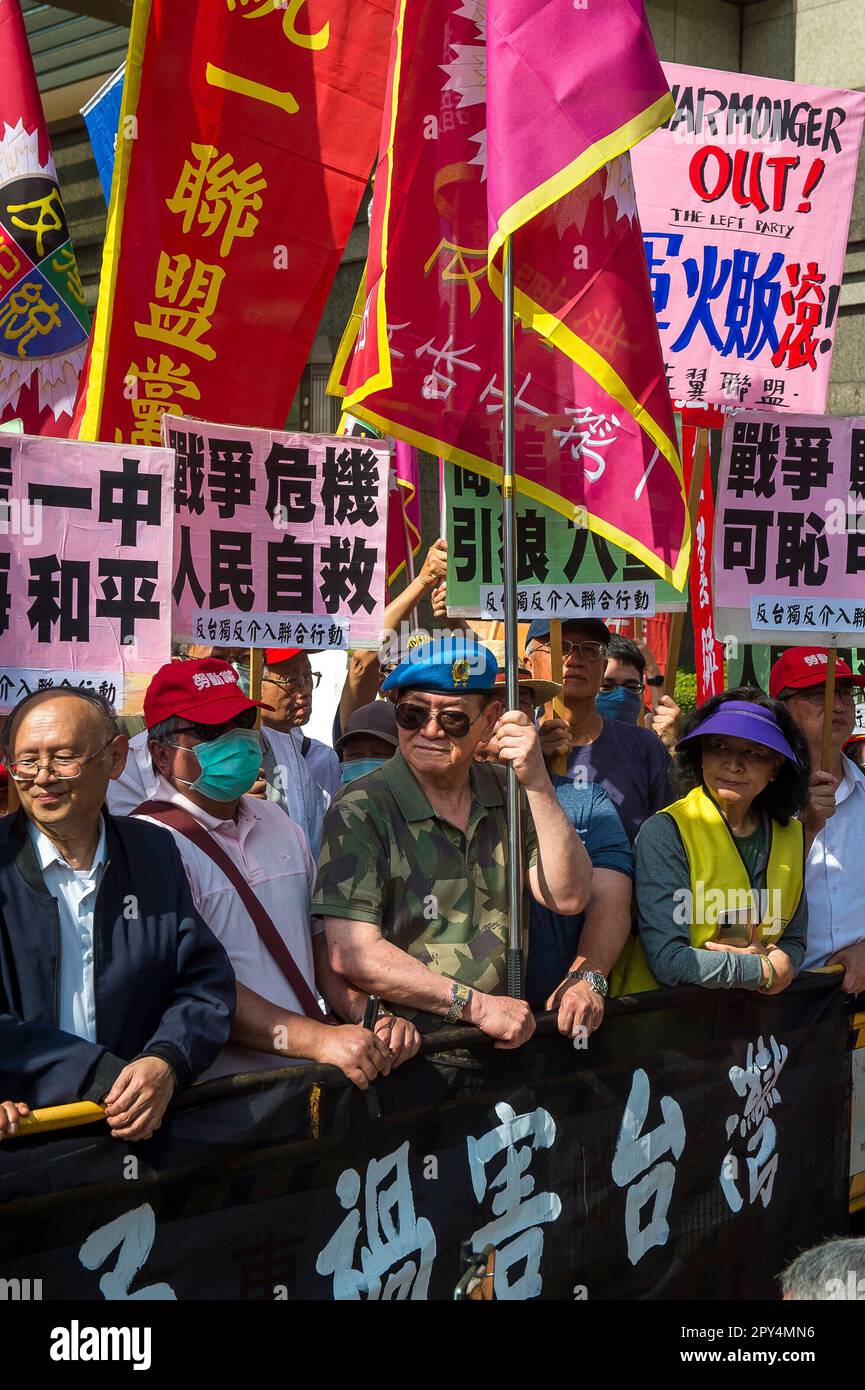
x=280, y=539
x=745, y=198
x=85, y=566
x=789, y=545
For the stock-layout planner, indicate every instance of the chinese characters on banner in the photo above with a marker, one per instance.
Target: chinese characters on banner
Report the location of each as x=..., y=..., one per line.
x=580, y=569
x=745, y=198
x=43, y=319
x=234, y=193
x=421, y=357
x=789, y=546
x=399, y=1248
x=85, y=567
x=708, y=651
x=280, y=539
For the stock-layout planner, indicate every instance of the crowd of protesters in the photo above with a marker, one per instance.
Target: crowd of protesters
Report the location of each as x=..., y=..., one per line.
x=215, y=892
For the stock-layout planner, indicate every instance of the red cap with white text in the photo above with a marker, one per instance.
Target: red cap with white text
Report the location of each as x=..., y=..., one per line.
x=205, y=692
x=800, y=667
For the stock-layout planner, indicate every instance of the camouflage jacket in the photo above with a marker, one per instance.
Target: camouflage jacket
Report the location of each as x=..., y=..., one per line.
x=387, y=858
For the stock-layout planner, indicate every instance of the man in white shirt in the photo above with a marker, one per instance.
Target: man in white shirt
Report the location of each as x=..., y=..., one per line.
x=287, y=687
x=205, y=752
x=835, y=818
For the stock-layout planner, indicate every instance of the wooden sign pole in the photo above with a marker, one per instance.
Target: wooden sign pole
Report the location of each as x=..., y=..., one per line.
x=256, y=670
x=677, y=620
x=828, y=707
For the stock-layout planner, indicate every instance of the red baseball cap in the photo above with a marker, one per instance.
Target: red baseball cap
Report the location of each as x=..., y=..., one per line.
x=274, y=655
x=800, y=667
x=206, y=692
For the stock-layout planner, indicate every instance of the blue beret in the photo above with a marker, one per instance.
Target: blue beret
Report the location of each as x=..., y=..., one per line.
x=452, y=665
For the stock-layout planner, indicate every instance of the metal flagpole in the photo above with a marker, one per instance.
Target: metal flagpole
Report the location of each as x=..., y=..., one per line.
x=509, y=574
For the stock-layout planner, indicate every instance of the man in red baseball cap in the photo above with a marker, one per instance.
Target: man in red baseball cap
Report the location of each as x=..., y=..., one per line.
x=835, y=817
x=251, y=875
x=287, y=686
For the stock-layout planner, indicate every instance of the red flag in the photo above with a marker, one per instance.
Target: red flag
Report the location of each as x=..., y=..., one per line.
x=403, y=518
x=252, y=130
x=539, y=154
x=43, y=320
x=708, y=651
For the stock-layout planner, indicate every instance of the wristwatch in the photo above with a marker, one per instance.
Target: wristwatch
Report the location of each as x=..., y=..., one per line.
x=595, y=979
x=460, y=1000
x=655, y=680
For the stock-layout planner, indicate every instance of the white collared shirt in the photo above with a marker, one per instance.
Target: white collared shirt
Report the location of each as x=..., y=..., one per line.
x=833, y=882
x=74, y=891
x=273, y=856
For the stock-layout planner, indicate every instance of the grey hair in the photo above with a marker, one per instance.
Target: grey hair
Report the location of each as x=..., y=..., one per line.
x=92, y=697
x=167, y=728
x=164, y=731
x=823, y=1273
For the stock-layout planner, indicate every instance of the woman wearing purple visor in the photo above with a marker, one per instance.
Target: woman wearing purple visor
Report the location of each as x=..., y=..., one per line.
x=720, y=873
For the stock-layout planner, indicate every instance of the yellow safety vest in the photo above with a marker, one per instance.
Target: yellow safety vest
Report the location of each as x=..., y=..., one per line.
x=720, y=887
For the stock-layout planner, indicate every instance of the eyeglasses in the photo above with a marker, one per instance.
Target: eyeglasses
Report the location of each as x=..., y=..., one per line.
x=293, y=684
x=589, y=651
x=720, y=748
x=453, y=722
x=635, y=687
x=816, y=695
x=63, y=769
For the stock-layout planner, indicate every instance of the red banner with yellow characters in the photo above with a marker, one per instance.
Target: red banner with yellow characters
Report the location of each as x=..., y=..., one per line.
x=246, y=139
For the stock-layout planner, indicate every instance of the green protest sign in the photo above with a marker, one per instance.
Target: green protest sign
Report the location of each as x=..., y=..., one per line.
x=562, y=568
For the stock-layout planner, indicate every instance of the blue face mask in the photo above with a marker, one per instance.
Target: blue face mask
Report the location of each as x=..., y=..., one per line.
x=619, y=704
x=360, y=767
x=229, y=765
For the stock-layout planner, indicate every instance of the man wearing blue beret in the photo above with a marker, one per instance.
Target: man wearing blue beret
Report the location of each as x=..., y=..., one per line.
x=412, y=880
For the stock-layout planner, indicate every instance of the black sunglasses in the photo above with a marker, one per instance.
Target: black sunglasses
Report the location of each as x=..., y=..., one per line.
x=453, y=722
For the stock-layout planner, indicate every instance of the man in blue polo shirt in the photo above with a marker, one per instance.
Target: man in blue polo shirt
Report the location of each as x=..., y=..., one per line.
x=630, y=763
x=570, y=957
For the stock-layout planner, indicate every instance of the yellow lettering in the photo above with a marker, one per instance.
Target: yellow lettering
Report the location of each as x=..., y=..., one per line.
x=65, y=264
x=219, y=196
x=10, y=264
x=48, y=217
x=457, y=270
x=230, y=82
x=291, y=9
x=26, y=315
x=193, y=289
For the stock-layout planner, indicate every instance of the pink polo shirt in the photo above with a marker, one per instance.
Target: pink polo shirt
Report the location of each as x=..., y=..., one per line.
x=273, y=856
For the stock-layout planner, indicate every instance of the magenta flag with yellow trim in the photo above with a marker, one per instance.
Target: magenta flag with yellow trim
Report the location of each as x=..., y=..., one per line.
x=514, y=118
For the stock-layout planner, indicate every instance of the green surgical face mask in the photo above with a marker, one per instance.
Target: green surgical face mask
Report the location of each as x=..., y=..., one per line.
x=229, y=765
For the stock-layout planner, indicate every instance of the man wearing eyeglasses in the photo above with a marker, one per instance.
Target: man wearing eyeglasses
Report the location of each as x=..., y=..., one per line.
x=287, y=687
x=835, y=817
x=412, y=880
x=112, y=988
x=630, y=763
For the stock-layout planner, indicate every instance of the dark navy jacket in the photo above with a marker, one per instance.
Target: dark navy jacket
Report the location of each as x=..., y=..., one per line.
x=163, y=983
